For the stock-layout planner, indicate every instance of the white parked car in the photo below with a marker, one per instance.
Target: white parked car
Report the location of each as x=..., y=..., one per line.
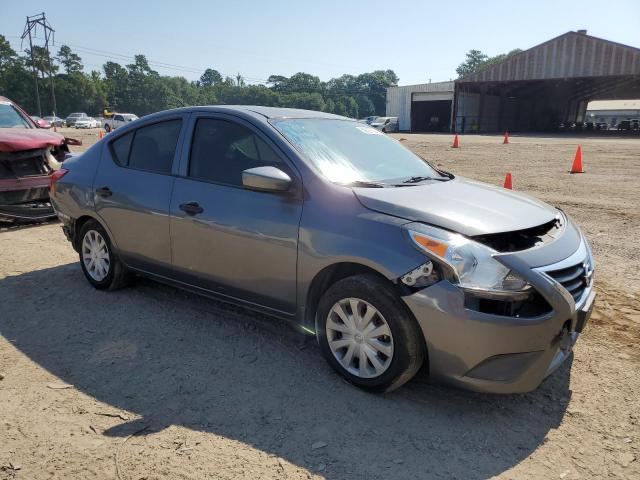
x=87, y=122
x=386, y=124
x=118, y=120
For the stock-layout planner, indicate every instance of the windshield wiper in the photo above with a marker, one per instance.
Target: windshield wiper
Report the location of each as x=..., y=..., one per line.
x=365, y=184
x=417, y=179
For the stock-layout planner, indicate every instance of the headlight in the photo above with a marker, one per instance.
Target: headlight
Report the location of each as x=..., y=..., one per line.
x=471, y=264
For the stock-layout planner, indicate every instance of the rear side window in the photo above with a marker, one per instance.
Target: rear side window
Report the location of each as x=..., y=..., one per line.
x=149, y=148
x=222, y=150
x=120, y=149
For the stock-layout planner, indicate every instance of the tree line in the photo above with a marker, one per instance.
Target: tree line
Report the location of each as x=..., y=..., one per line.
x=138, y=88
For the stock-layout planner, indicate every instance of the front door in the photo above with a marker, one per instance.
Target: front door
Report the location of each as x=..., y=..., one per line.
x=132, y=193
x=237, y=242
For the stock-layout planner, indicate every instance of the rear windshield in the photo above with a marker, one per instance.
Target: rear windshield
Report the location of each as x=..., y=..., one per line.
x=10, y=117
x=347, y=152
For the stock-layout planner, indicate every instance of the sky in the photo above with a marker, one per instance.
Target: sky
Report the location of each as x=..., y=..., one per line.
x=419, y=40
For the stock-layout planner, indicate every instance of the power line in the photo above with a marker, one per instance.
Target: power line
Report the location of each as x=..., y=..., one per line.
x=173, y=67
x=30, y=29
x=168, y=66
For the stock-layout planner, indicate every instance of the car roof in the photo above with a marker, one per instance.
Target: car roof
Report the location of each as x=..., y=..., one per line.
x=256, y=110
x=279, y=112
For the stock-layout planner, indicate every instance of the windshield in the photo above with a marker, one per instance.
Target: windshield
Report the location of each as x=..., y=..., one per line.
x=11, y=118
x=76, y=115
x=349, y=152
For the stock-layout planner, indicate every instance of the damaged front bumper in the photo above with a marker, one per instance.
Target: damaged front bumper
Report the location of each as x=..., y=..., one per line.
x=494, y=353
x=25, y=199
x=24, y=185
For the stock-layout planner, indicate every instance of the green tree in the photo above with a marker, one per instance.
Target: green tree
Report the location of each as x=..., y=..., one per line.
x=41, y=61
x=476, y=61
x=473, y=62
x=71, y=62
x=365, y=106
x=8, y=55
x=16, y=81
x=210, y=77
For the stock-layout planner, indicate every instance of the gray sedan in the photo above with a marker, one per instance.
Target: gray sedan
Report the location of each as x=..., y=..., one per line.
x=389, y=262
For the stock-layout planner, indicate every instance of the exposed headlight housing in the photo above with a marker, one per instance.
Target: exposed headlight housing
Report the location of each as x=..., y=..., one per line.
x=470, y=264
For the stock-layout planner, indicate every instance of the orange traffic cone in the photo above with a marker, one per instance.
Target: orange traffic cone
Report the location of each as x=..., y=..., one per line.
x=456, y=144
x=507, y=181
x=100, y=134
x=506, y=138
x=577, y=162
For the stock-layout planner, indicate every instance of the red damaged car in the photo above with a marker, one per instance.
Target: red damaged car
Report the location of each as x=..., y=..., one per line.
x=29, y=155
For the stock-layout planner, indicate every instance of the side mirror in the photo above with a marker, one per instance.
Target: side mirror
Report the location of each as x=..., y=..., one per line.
x=266, y=179
x=41, y=123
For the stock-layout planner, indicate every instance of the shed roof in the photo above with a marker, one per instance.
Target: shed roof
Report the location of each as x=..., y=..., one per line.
x=614, y=105
x=573, y=54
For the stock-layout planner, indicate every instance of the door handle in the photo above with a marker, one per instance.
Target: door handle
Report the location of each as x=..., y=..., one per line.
x=191, y=208
x=104, y=191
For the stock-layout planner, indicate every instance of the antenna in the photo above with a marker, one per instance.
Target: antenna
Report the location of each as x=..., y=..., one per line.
x=30, y=29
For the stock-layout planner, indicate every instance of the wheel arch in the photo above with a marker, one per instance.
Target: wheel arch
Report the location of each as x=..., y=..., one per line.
x=80, y=222
x=327, y=277
x=336, y=272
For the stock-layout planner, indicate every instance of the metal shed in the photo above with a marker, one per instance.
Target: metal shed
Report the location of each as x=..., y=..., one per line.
x=537, y=89
x=546, y=85
x=421, y=108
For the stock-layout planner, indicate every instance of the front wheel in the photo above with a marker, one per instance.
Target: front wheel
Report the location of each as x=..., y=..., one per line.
x=100, y=264
x=107, y=128
x=368, y=335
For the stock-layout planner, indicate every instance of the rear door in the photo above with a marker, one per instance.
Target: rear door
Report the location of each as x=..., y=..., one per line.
x=132, y=190
x=238, y=242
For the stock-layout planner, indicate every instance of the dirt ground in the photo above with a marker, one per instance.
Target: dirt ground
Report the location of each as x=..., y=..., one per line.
x=151, y=382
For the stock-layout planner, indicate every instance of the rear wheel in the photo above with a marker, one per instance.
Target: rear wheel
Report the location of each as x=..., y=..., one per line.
x=368, y=335
x=100, y=264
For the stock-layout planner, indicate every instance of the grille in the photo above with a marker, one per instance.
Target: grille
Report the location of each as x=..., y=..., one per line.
x=23, y=164
x=575, y=279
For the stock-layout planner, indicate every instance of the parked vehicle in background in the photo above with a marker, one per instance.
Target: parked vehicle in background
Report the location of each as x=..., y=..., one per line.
x=386, y=124
x=54, y=121
x=369, y=120
x=88, y=122
x=29, y=155
x=118, y=120
x=41, y=122
x=387, y=260
x=74, y=117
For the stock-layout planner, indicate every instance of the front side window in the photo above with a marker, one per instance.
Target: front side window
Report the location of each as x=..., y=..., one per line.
x=149, y=148
x=222, y=150
x=348, y=152
x=10, y=117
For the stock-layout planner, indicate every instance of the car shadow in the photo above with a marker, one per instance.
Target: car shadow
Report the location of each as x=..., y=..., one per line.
x=174, y=358
x=26, y=224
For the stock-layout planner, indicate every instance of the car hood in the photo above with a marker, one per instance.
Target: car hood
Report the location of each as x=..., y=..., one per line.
x=460, y=205
x=18, y=139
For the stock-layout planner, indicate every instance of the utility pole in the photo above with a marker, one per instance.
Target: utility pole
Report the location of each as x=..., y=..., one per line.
x=30, y=30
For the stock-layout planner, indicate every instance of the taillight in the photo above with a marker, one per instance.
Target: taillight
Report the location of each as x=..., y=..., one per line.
x=55, y=176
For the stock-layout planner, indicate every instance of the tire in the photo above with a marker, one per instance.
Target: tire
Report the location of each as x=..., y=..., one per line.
x=107, y=128
x=405, y=339
x=116, y=275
